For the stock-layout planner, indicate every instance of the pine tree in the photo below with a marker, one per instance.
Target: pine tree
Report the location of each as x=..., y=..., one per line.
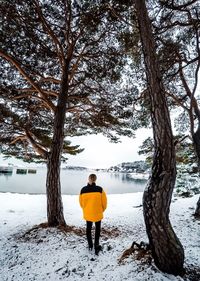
x=167, y=250
x=61, y=76
x=176, y=32
x=179, y=40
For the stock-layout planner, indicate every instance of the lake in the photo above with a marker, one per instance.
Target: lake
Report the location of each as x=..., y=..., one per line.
x=71, y=181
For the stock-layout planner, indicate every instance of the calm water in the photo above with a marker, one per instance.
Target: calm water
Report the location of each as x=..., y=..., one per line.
x=71, y=182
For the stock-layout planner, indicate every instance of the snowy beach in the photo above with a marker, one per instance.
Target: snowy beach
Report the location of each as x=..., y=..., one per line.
x=50, y=254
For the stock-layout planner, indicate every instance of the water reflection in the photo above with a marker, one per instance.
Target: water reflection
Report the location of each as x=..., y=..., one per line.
x=139, y=180
x=121, y=176
x=6, y=175
x=115, y=175
x=71, y=182
x=21, y=171
x=125, y=177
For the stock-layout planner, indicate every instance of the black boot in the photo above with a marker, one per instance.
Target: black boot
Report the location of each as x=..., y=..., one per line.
x=90, y=246
x=98, y=248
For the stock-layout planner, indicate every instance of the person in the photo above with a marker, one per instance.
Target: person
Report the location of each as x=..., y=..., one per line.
x=93, y=202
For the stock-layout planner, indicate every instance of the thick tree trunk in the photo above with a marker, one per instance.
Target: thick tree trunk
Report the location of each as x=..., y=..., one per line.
x=197, y=211
x=167, y=250
x=54, y=200
x=196, y=141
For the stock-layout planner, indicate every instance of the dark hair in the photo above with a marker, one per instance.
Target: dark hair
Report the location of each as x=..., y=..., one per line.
x=92, y=177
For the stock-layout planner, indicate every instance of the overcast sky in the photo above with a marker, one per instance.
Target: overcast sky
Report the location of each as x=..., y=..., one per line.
x=100, y=153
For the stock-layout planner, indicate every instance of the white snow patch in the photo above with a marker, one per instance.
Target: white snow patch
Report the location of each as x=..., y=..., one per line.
x=49, y=254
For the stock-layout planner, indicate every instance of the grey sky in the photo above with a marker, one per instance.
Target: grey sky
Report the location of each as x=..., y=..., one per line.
x=100, y=153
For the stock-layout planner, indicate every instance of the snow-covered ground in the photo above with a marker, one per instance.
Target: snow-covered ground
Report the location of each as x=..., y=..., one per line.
x=49, y=254
x=141, y=176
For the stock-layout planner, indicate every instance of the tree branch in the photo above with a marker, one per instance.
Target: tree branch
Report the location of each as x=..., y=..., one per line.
x=38, y=148
x=19, y=138
x=15, y=63
x=51, y=33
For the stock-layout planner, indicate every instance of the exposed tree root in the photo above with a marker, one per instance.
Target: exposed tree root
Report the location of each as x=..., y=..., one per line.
x=140, y=251
x=196, y=216
x=66, y=229
x=192, y=273
x=111, y=232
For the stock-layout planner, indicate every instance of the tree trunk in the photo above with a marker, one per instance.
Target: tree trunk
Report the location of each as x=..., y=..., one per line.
x=166, y=248
x=196, y=141
x=54, y=200
x=197, y=211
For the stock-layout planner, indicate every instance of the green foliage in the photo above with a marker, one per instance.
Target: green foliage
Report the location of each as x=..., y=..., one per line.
x=37, y=38
x=13, y=124
x=147, y=149
x=184, y=150
x=187, y=182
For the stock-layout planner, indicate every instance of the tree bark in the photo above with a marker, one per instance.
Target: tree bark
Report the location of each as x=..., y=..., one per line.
x=197, y=211
x=196, y=142
x=53, y=187
x=166, y=248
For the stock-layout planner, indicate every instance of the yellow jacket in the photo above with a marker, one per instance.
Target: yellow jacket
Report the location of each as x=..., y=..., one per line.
x=93, y=201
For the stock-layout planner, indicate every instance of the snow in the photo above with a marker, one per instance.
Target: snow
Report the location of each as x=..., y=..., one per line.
x=50, y=254
x=139, y=175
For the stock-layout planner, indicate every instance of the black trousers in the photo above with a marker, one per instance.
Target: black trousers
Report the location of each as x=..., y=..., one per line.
x=89, y=233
